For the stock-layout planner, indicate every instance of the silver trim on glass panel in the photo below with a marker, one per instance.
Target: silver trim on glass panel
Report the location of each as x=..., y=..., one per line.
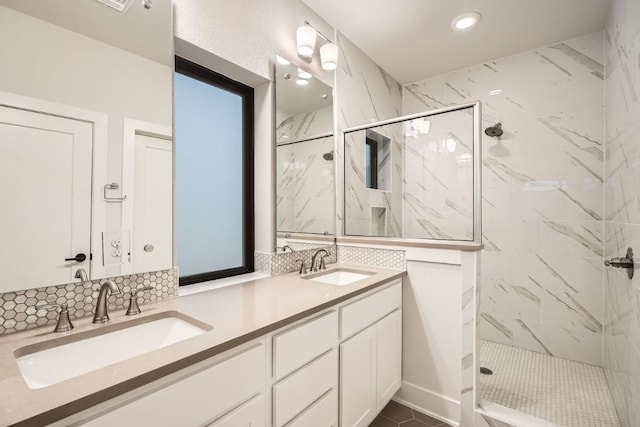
x=469, y=245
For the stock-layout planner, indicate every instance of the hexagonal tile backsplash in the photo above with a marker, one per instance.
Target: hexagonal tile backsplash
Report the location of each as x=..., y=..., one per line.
x=19, y=310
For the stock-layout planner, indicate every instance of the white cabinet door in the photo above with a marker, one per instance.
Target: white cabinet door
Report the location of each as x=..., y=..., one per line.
x=358, y=379
x=389, y=358
x=251, y=414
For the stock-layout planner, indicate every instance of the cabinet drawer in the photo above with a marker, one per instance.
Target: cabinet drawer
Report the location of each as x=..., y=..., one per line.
x=199, y=398
x=251, y=414
x=323, y=413
x=294, y=394
x=366, y=311
x=295, y=347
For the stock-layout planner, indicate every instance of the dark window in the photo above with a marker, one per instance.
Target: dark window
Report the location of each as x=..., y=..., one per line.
x=213, y=174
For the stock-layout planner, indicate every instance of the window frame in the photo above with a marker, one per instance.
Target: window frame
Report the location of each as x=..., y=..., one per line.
x=191, y=69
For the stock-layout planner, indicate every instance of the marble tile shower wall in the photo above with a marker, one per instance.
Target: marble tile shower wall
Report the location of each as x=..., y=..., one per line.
x=304, y=125
x=438, y=179
x=542, y=193
x=305, y=193
x=19, y=310
x=367, y=94
x=373, y=212
x=622, y=204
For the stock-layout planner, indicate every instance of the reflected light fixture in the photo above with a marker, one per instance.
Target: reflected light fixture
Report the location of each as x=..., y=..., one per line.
x=304, y=74
x=466, y=21
x=306, y=36
x=302, y=82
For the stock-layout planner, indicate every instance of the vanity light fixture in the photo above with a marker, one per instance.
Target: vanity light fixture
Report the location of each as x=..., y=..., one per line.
x=329, y=56
x=466, y=21
x=306, y=40
x=306, y=36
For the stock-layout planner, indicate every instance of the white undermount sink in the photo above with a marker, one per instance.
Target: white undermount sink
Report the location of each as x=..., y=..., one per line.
x=340, y=277
x=51, y=362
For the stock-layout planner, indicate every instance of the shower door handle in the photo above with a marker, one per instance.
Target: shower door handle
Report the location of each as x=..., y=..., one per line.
x=626, y=263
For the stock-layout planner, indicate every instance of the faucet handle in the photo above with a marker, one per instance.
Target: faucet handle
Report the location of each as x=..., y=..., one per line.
x=303, y=268
x=322, y=264
x=134, y=308
x=64, y=322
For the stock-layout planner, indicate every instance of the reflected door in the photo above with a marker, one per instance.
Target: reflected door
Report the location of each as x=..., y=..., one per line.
x=152, y=247
x=45, y=176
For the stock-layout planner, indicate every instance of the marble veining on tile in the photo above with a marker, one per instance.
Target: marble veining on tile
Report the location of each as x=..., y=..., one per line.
x=622, y=203
x=542, y=193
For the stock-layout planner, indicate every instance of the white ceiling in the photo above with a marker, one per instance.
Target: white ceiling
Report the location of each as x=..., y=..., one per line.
x=147, y=33
x=413, y=39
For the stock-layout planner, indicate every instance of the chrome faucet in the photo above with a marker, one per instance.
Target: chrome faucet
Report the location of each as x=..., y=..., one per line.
x=106, y=286
x=313, y=258
x=285, y=247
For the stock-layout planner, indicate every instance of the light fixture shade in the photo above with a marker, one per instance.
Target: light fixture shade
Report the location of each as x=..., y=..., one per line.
x=306, y=40
x=329, y=56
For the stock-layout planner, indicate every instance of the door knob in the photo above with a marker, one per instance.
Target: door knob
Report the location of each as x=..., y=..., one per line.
x=78, y=258
x=626, y=262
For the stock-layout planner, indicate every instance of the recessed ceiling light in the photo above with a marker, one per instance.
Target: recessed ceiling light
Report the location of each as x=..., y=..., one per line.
x=302, y=82
x=466, y=21
x=282, y=61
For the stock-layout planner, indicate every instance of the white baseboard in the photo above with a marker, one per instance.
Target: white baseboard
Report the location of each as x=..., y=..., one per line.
x=429, y=402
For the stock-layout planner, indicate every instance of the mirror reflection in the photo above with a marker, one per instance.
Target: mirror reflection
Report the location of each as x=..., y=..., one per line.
x=393, y=169
x=304, y=152
x=85, y=140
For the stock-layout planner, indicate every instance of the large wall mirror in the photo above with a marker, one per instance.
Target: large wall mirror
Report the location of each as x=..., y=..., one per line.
x=304, y=154
x=85, y=140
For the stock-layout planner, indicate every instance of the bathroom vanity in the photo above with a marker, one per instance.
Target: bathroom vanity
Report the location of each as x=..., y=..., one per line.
x=278, y=351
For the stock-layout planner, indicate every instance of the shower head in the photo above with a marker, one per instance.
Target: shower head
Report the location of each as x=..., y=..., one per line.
x=328, y=156
x=494, y=131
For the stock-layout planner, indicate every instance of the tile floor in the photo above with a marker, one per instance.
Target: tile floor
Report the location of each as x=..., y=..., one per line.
x=567, y=393
x=396, y=415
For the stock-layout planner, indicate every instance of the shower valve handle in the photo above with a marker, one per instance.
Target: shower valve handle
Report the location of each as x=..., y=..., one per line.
x=626, y=262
